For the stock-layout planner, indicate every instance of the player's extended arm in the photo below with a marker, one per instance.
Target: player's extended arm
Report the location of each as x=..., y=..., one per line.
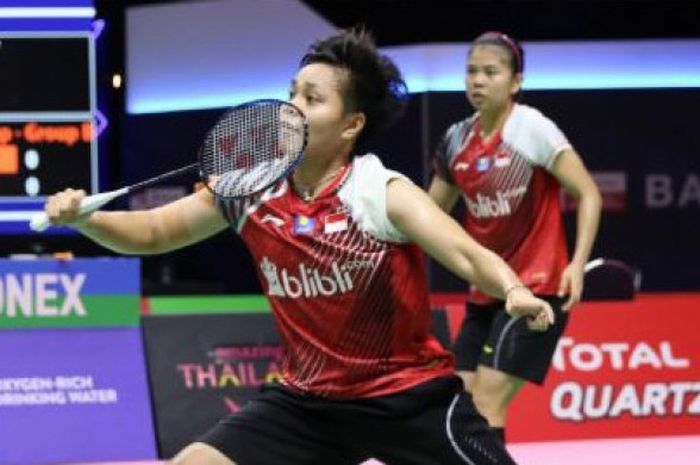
x=572, y=174
x=421, y=220
x=159, y=230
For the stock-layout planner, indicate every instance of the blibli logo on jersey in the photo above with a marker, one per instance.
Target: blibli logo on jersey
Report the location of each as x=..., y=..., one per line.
x=484, y=206
x=305, y=282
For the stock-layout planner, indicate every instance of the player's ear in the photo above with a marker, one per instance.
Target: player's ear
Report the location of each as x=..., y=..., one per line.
x=354, y=123
x=517, y=84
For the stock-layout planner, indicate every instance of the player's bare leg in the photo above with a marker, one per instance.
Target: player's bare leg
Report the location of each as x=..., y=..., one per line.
x=467, y=379
x=493, y=390
x=200, y=454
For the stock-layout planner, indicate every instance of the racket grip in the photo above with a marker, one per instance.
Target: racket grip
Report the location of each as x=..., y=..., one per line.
x=40, y=222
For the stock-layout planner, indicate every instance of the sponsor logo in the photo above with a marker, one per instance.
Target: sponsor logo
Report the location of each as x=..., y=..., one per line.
x=461, y=166
x=666, y=191
x=307, y=281
x=273, y=219
x=37, y=295
x=483, y=206
x=577, y=402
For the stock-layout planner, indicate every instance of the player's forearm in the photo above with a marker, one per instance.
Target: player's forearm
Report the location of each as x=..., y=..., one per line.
x=414, y=214
x=587, y=221
x=481, y=267
x=129, y=233
x=491, y=274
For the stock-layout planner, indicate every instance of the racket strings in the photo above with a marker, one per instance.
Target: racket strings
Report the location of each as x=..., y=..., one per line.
x=252, y=147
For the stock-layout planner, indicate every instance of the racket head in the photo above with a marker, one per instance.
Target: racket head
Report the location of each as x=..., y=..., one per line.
x=251, y=147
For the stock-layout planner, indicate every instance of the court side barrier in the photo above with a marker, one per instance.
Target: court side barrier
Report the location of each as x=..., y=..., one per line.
x=73, y=385
x=624, y=368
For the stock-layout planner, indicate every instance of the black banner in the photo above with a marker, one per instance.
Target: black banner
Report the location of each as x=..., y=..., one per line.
x=204, y=367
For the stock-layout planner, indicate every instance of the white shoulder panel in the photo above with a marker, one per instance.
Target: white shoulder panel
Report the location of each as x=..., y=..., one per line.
x=364, y=193
x=534, y=136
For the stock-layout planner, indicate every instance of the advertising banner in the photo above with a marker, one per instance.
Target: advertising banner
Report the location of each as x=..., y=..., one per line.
x=622, y=369
x=92, y=292
x=73, y=395
x=204, y=367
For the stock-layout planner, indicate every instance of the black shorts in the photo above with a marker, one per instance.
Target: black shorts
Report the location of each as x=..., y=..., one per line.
x=434, y=423
x=491, y=337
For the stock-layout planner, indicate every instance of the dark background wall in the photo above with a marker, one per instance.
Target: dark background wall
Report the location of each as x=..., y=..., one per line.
x=417, y=21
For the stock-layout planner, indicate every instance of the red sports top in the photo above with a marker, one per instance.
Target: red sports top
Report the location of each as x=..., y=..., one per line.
x=513, y=203
x=348, y=293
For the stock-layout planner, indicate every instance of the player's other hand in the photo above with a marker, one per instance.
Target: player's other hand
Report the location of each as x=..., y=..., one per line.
x=538, y=313
x=571, y=284
x=64, y=207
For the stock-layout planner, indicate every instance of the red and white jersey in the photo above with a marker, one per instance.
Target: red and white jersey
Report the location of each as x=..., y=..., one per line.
x=348, y=293
x=513, y=203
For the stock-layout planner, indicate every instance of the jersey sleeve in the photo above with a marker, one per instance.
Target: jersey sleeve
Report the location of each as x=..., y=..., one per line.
x=234, y=210
x=365, y=195
x=537, y=137
x=441, y=157
x=237, y=210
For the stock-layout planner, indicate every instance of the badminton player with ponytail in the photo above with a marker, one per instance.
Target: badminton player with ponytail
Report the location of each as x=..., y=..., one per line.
x=507, y=161
x=337, y=244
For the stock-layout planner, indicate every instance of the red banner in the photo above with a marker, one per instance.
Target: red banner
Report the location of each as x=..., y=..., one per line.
x=622, y=369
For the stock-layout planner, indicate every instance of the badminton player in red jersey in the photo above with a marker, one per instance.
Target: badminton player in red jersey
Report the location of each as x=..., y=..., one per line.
x=337, y=248
x=508, y=161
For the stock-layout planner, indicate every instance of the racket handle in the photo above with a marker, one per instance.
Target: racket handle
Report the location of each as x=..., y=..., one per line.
x=40, y=221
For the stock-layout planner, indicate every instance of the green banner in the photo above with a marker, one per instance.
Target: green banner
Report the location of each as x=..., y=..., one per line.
x=93, y=311
x=169, y=305
x=99, y=292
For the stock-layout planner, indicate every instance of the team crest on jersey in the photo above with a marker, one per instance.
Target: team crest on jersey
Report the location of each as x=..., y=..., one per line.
x=483, y=164
x=335, y=222
x=304, y=225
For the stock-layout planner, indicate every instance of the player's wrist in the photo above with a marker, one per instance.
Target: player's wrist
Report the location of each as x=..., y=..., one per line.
x=84, y=221
x=516, y=289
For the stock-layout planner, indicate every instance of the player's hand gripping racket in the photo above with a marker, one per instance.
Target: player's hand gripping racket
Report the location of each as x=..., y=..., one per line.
x=250, y=148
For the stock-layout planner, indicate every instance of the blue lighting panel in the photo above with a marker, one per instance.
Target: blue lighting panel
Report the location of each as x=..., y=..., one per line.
x=46, y=15
x=440, y=67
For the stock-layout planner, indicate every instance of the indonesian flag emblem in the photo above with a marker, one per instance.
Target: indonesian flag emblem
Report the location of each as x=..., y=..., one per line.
x=335, y=222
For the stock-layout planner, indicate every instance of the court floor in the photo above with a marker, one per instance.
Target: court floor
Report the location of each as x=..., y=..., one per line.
x=675, y=450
